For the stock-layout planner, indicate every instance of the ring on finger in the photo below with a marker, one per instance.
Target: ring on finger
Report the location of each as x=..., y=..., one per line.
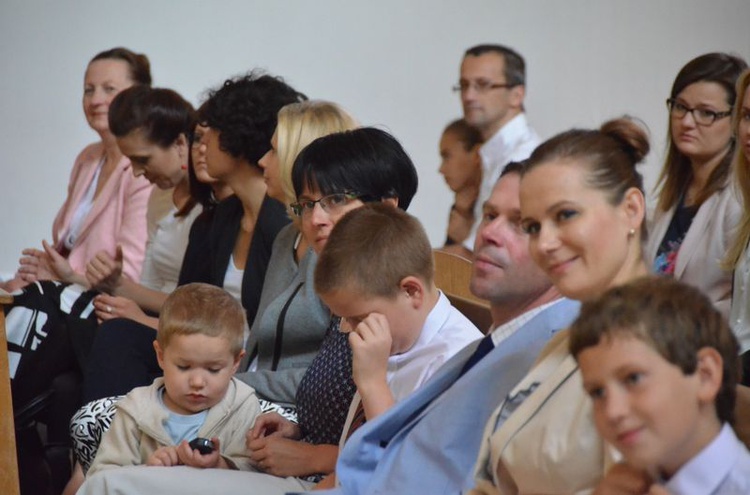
x=108, y=309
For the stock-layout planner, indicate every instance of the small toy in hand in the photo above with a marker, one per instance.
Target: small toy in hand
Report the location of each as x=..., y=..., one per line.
x=202, y=445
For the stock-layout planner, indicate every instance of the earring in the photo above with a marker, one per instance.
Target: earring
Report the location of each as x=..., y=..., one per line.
x=631, y=233
x=184, y=166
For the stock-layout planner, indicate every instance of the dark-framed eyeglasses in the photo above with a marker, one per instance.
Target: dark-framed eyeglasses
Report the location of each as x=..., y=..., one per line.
x=480, y=86
x=702, y=116
x=331, y=203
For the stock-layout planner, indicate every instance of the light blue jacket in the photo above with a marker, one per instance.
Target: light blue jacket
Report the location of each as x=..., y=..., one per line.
x=428, y=442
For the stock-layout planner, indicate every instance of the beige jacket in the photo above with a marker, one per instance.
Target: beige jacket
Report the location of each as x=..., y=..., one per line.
x=549, y=444
x=137, y=429
x=706, y=242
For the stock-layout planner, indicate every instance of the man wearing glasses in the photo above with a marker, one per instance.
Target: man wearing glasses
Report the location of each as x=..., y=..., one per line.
x=492, y=89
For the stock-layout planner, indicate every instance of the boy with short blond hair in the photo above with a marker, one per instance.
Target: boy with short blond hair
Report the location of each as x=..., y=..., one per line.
x=660, y=365
x=199, y=346
x=376, y=272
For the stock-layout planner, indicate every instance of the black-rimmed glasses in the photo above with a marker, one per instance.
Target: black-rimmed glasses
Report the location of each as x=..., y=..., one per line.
x=331, y=203
x=480, y=86
x=702, y=116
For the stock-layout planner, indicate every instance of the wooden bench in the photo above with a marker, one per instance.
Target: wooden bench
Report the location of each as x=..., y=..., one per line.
x=453, y=276
x=8, y=463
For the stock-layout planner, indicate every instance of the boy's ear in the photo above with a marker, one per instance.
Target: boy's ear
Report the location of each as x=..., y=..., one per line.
x=159, y=354
x=414, y=289
x=237, y=360
x=710, y=373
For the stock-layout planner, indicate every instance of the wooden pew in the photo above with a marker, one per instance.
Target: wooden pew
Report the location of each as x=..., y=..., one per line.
x=452, y=276
x=8, y=463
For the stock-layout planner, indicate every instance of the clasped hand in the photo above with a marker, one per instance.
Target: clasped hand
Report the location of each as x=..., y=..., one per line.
x=104, y=273
x=275, y=448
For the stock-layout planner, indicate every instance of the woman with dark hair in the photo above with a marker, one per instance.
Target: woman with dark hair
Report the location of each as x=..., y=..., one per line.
x=106, y=204
x=461, y=167
x=331, y=176
x=153, y=128
x=697, y=210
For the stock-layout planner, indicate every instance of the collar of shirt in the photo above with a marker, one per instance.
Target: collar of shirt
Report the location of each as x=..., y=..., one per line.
x=435, y=319
x=499, y=147
x=509, y=328
x=705, y=472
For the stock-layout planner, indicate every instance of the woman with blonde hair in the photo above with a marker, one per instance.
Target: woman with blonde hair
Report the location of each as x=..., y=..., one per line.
x=738, y=256
x=299, y=125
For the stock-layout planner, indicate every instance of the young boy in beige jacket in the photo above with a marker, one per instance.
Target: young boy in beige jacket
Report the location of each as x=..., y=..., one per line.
x=199, y=346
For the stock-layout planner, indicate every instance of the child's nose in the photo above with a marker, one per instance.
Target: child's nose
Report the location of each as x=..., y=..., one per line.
x=616, y=406
x=197, y=380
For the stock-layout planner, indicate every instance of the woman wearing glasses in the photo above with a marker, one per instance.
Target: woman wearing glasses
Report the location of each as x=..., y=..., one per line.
x=697, y=212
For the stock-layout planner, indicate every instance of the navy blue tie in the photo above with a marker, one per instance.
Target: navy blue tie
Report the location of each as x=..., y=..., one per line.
x=484, y=347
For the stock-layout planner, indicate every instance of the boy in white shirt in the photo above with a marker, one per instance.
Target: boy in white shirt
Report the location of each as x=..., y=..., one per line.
x=660, y=364
x=377, y=273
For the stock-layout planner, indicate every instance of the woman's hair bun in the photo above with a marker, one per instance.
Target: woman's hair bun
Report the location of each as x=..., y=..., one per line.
x=631, y=134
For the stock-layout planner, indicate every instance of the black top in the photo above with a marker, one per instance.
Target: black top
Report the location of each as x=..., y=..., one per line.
x=210, y=248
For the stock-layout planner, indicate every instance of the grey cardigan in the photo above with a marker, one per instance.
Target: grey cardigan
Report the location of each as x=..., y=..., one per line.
x=289, y=326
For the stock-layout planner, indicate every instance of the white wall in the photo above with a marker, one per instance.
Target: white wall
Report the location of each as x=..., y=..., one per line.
x=390, y=62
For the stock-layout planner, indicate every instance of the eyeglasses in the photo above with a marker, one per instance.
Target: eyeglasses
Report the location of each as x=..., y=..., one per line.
x=197, y=140
x=700, y=115
x=480, y=86
x=331, y=203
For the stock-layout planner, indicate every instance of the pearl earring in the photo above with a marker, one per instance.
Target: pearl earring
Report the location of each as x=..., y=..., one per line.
x=631, y=233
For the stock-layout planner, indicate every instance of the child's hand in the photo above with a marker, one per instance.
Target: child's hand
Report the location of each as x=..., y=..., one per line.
x=164, y=456
x=623, y=479
x=371, y=343
x=193, y=458
x=273, y=424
